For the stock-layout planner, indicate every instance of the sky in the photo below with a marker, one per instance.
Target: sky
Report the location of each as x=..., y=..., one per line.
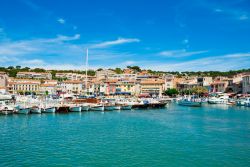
x=165, y=35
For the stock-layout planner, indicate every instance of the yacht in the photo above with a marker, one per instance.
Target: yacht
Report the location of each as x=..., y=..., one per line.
x=219, y=99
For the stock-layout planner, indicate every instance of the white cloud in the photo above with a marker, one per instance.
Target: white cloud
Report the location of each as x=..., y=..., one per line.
x=215, y=63
x=61, y=21
x=218, y=10
x=185, y=41
x=180, y=53
x=119, y=41
x=32, y=62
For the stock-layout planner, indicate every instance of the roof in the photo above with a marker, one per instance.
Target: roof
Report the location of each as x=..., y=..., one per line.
x=48, y=85
x=148, y=82
x=73, y=82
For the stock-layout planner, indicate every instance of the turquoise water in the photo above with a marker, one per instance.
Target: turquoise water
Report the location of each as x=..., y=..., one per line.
x=175, y=136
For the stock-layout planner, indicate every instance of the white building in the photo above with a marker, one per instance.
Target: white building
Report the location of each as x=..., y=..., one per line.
x=70, y=76
x=246, y=84
x=3, y=80
x=75, y=87
x=34, y=75
x=104, y=74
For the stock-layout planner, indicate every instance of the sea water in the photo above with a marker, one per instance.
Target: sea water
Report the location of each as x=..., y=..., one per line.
x=212, y=135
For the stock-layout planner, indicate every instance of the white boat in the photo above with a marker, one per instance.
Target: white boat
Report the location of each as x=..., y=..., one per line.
x=21, y=110
x=36, y=110
x=49, y=110
x=219, y=99
x=247, y=102
x=85, y=108
x=97, y=108
x=109, y=107
x=6, y=108
x=189, y=102
x=126, y=107
x=240, y=102
x=75, y=109
x=117, y=108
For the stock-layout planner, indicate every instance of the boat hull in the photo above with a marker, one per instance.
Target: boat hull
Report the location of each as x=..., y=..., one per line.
x=23, y=111
x=36, y=111
x=99, y=108
x=75, y=109
x=109, y=108
x=49, y=110
x=189, y=104
x=85, y=108
x=126, y=107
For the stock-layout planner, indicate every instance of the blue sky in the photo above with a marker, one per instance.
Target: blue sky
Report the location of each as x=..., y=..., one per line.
x=162, y=35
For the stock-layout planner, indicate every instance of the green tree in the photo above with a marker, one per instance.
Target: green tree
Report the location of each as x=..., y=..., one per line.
x=118, y=70
x=18, y=67
x=171, y=92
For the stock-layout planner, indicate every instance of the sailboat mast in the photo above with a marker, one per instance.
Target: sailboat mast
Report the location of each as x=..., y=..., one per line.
x=86, y=70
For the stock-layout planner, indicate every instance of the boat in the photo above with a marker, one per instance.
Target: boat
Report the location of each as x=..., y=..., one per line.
x=97, y=108
x=75, y=109
x=117, y=107
x=23, y=110
x=85, y=108
x=247, y=102
x=126, y=107
x=6, y=108
x=36, y=110
x=109, y=107
x=49, y=110
x=188, y=102
x=219, y=99
x=240, y=102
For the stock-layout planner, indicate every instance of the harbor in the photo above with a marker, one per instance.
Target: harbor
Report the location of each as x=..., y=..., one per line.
x=212, y=135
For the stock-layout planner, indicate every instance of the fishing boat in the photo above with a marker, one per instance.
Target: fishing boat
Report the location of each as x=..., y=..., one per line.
x=240, y=102
x=191, y=101
x=6, y=108
x=247, y=102
x=126, y=107
x=23, y=110
x=97, y=108
x=75, y=109
x=117, y=107
x=49, y=110
x=36, y=110
x=219, y=99
x=85, y=108
x=109, y=107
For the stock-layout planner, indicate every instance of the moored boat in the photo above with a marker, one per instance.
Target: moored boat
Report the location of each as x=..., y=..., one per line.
x=36, y=110
x=97, y=108
x=85, y=108
x=49, y=110
x=126, y=107
x=21, y=110
x=109, y=107
x=75, y=109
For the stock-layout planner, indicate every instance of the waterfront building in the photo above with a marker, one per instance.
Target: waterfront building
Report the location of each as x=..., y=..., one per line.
x=128, y=71
x=152, y=87
x=104, y=74
x=47, y=88
x=219, y=84
x=34, y=75
x=169, y=81
x=75, y=87
x=21, y=86
x=3, y=80
x=70, y=76
x=187, y=83
x=123, y=76
x=246, y=84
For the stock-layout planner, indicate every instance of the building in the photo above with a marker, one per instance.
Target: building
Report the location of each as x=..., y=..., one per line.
x=21, y=86
x=70, y=76
x=48, y=87
x=169, y=81
x=246, y=84
x=219, y=84
x=104, y=74
x=34, y=75
x=71, y=87
x=123, y=76
x=3, y=81
x=187, y=83
x=204, y=81
x=152, y=86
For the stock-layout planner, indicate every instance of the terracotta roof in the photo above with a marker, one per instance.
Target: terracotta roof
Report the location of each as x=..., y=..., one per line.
x=148, y=82
x=73, y=82
x=48, y=85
